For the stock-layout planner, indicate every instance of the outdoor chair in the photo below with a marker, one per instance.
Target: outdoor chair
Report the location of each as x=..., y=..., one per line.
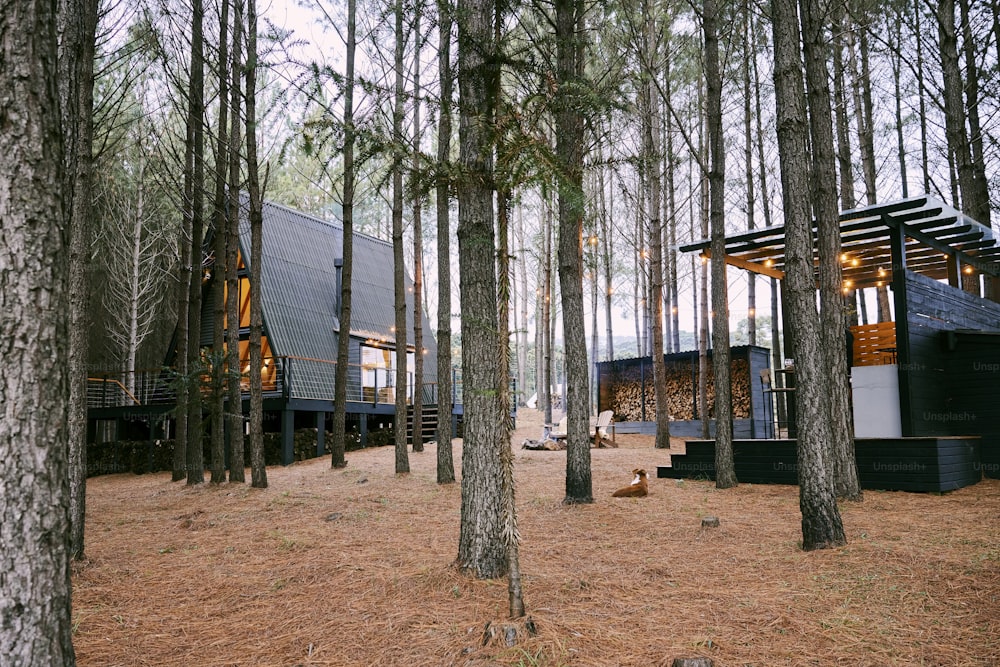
x=558, y=432
x=605, y=421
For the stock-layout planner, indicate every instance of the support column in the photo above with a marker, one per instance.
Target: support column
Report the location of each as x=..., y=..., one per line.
x=363, y=429
x=287, y=437
x=897, y=247
x=787, y=379
x=320, y=433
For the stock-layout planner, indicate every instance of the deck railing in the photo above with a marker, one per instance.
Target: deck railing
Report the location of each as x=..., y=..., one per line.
x=292, y=377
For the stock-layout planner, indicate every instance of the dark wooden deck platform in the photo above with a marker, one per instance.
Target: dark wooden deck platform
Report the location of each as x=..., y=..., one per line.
x=891, y=464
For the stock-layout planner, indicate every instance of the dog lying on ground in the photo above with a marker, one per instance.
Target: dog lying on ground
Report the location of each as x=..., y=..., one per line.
x=639, y=486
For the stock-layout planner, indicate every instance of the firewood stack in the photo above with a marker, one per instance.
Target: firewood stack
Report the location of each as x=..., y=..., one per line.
x=682, y=389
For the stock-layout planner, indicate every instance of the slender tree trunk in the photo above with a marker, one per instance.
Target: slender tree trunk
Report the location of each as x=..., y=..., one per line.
x=703, y=330
x=35, y=613
x=765, y=201
x=570, y=153
x=399, y=269
x=258, y=471
x=595, y=336
x=135, y=274
x=833, y=321
x=666, y=252
x=482, y=548
x=545, y=394
x=511, y=537
x=522, y=332
x=445, y=464
x=652, y=156
x=896, y=62
x=338, y=447
x=196, y=118
x=725, y=471
x=607, y=257
x=821, y=523
x=418, y=250
x=180, y=463
x=844, y=154
x=234, y=371
x=639, y=285
x=748, y=159
x=674, y=314
x=76, y=28
x=219, y=262
x=921, y=94
x=973, y=189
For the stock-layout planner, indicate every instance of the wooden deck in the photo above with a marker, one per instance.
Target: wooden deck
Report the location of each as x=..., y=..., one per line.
x=890, y=464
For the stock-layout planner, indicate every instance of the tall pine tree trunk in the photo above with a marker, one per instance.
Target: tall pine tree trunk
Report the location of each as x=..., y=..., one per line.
x=398, y=267
x=218, y=446
x=258, y=472
x=35, y=614
x=748, y=159
x=196, y=119
x=570, y=153
x=652, y=198
x=77, y=26
x=832, y=318
x=445, y=463
x=821, y=523
x=482, y=549
x=980, y=208
x=338, y=446
x=418, y=250
x=765, y=202
x=954, y=108
x=725, y=471
x=237, y=472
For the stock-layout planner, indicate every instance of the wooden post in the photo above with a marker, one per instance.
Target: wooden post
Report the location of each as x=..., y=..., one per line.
x=954, y=270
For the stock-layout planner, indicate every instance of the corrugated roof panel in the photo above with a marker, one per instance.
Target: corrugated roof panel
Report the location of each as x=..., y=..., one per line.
x=299, y=289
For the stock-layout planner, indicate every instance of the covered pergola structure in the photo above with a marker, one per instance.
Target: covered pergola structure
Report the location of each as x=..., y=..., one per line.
x=932, y=372
x=879, y=243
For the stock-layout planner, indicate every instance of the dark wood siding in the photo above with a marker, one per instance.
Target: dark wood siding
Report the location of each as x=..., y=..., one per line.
x=972, y=360
x=934, y=312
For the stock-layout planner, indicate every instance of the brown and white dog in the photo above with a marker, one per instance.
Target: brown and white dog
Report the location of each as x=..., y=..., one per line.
x=636, y=489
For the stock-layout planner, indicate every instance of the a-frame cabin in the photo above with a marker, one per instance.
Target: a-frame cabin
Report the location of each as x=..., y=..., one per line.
x=301, y=268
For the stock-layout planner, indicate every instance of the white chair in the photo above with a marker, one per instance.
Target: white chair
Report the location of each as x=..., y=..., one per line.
x=605, y=421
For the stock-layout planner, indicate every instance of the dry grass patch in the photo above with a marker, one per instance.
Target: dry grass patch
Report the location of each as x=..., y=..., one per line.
x=353, y=567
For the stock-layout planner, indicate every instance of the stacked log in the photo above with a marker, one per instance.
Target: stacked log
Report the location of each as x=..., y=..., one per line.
x=627, y=392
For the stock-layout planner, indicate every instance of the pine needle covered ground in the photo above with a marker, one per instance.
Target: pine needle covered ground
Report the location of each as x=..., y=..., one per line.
x=353, y=567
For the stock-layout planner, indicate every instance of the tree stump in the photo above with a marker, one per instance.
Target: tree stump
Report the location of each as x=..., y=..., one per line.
x=507, y=633
x=710, y=522
x=692, y=662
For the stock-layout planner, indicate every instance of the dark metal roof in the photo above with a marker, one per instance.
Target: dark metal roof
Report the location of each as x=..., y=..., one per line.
x=300, y=299
x=935, y=236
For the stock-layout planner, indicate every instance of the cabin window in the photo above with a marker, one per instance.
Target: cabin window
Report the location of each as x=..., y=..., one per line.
x=378, y=374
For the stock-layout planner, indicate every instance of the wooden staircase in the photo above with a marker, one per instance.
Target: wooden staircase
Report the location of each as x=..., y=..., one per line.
x=428, y=424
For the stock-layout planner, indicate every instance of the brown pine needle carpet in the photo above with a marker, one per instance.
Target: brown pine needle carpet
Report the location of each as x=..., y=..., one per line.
x=354, y=567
